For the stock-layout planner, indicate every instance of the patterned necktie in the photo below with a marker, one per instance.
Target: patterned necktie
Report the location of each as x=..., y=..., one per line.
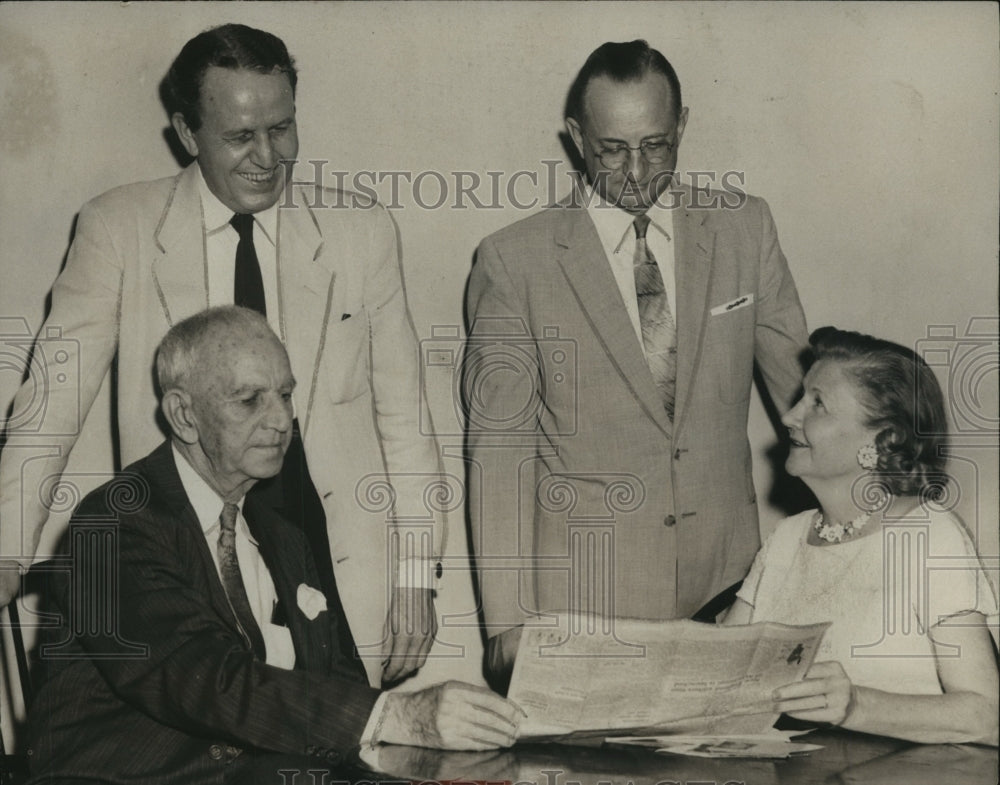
x=248, y=288
x=659, y=334
x=232, y=579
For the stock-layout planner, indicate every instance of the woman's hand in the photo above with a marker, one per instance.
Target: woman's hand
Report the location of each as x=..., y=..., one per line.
x=825, y=695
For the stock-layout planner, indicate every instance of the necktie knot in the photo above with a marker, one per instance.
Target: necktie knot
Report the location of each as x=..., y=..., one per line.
x=640, y=224
x=242, y=223
x=228, y=518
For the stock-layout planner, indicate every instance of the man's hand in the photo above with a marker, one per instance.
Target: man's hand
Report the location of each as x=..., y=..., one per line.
x=10, y=581
x=451, y=716
x=825, y=695
x=409, y=632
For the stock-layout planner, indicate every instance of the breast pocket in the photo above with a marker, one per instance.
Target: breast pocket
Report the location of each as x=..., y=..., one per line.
x=345, y=364
x=733, y=333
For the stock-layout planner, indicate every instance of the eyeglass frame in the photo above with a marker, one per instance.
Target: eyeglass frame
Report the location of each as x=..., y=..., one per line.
x=622, y=148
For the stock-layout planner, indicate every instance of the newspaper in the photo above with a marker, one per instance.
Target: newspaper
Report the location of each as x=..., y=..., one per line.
x=585, y=677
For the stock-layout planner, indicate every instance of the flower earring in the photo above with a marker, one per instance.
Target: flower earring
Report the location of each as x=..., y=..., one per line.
x=868, y=457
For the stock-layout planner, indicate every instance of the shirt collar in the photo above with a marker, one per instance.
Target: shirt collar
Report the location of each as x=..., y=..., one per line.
x=614, y=225
x=205, y=501
x=217, y=215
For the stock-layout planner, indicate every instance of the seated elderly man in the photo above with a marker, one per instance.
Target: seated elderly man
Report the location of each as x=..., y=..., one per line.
x=214, y=660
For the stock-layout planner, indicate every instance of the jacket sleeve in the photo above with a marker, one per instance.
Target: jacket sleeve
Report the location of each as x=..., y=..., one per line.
x=780, y=335
x=69, y=361
x=402, y=415
x=495, y=396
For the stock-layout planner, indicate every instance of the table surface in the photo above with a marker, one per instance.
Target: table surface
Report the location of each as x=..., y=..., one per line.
x=846, y=757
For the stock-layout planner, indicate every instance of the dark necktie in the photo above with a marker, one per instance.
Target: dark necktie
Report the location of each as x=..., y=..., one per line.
x=232, y=580
x=248, y=287
x=659, y=334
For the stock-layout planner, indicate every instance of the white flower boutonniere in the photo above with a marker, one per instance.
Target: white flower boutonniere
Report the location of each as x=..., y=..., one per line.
x=312, y=602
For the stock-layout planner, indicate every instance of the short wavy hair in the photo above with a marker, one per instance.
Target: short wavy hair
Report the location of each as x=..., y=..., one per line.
x=622, y=62
x=226, y=46
x=903, y=403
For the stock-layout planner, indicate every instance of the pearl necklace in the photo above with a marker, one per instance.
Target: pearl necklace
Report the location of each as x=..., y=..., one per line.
x=835, y=532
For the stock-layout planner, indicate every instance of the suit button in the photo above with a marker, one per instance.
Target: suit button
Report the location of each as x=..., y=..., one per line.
x=311, y=749
x=332, y=757
x=670, y=520
x=215, y=752
x=677, y=455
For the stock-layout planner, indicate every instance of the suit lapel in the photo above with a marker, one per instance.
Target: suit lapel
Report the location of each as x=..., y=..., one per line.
x=180, y=269
x=695, y=243
x=286, y=566
x=161, y=471
x=306, y=276
x=586, y=268
x=288, y=571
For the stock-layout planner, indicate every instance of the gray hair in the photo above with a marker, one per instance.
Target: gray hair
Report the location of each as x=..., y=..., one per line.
x=178, y=354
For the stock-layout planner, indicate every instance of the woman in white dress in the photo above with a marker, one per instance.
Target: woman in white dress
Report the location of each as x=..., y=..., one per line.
x=908, y=653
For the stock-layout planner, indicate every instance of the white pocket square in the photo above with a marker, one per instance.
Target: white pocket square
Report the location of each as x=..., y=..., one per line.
x=312, y=602
x=740, y=302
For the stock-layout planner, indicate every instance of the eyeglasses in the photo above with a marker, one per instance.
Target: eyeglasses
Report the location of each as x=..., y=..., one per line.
x=654, y=151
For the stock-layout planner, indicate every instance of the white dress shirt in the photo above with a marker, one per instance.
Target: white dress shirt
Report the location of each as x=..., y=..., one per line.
x=256, y=579
x=614, y=227
x=221, y=240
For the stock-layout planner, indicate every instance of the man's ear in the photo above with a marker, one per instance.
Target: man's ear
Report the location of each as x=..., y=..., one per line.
x=184, y=133
x=576, y=133
x=681, y=122
x=176, y=407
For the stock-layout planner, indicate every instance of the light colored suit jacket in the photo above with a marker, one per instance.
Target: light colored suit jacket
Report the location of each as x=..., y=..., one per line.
x=137, y=265
x=582, y=493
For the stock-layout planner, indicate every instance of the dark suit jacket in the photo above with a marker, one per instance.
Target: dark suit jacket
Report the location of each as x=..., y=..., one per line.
x=148, y=676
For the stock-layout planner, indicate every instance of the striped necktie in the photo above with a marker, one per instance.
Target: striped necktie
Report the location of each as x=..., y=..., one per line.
x=659, y=333
x=232, y=580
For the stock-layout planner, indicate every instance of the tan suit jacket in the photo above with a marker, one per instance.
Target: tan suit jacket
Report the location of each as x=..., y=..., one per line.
x=137, y=265
x=583, y=494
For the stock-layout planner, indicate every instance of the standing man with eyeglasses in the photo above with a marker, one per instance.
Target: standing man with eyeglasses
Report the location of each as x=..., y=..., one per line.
x=322, y=266
x=628, y=491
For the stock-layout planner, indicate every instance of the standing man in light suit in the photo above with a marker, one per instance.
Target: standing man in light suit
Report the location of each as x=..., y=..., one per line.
x=322, y=266
x=662, y=298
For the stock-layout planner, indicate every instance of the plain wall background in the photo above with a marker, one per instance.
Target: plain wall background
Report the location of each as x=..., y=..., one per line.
x=871, y=129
